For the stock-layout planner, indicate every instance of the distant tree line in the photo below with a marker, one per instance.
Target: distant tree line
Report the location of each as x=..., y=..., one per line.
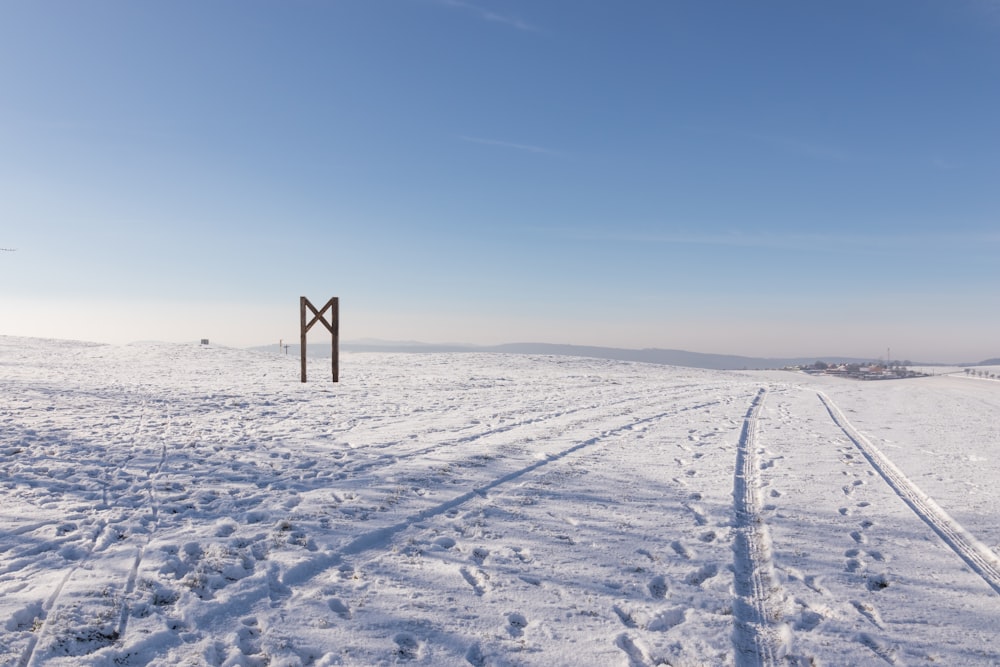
x=822, y=365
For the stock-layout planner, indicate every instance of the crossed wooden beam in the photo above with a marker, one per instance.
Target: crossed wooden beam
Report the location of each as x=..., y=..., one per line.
x=333, y=326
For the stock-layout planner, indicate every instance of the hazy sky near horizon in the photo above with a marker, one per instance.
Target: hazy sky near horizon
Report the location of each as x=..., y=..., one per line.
x=767, y=178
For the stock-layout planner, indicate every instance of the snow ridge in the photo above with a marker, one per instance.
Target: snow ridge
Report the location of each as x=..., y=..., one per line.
x=756, y=639
x=976, y=554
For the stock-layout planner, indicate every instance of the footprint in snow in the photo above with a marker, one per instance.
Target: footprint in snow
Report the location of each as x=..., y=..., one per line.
x=474, y=656
x=877, y=582
x=407, y=646
x=338, y=607
x=666, y=620
x=658, y=587
x=624, y=616
x=516, y=623
x=445, y=542
x=475, y=578
x=815, y=583
x=877, y=647
x=703, y=574
x=65, y=528
x=523, y=555
x=248, y=637
x=681, y=550
x=256, y=516
x=808, y=620
x=869, y=612
x=699, y=513
x=26, y=618
x=225, y=528
x=636, y=652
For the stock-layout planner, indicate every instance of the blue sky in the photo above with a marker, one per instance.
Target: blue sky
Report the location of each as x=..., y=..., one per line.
x=768, y=178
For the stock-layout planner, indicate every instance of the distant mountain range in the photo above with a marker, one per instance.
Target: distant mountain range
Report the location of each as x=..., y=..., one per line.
x=650, y=356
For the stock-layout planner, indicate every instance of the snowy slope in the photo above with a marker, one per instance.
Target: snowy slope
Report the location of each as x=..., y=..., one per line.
x=187, y=505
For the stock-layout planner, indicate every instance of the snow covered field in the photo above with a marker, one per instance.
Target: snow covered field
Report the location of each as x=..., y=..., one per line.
x=187, y=505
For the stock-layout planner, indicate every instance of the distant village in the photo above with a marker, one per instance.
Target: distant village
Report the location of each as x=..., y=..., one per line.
x=876, y=371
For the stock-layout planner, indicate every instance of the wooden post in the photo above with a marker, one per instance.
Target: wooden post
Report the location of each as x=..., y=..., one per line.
x=302, y=334
x=335, y=334
x=333, y=326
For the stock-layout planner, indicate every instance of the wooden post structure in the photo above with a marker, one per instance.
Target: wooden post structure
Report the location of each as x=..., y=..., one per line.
x=333, y=326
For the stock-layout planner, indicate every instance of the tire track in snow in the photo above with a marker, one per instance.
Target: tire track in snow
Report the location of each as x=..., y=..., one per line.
x=975, y=554
x=757, y=639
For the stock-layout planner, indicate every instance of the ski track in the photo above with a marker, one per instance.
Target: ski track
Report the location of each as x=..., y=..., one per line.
x=756, y=638
x=975, y=554
x=398, y=453
x=379, y=538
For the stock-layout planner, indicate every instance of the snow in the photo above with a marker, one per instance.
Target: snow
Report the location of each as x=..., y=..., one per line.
x=198, y=505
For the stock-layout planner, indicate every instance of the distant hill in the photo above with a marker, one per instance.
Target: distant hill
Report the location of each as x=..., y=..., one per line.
x=650, y=356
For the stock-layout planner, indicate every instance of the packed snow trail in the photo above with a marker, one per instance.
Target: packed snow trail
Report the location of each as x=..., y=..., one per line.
x=976, y=555
x=757, y=640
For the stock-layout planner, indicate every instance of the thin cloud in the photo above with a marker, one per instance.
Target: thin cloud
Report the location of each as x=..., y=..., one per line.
x=780, y=241
x=488, y=15
x=507, y=144
x=735, y=239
